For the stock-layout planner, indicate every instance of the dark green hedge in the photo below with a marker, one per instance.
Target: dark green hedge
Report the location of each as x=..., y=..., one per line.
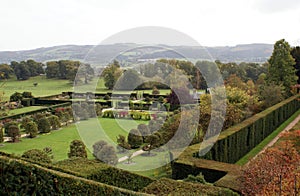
x=100, y=172
x=50, y=108
x=182, y=170
x=167, y=186
x=238, y=140
x=23, y=178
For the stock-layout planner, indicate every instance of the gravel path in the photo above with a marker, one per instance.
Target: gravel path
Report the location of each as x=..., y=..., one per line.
x=136, y=153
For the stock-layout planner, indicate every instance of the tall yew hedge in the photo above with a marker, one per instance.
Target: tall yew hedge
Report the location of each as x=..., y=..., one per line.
x=237, y=141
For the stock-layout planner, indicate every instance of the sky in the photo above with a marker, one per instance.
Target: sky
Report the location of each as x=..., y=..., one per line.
x=29, y=24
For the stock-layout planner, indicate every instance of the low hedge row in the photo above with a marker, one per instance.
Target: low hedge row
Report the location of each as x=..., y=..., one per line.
x=50, y=108
x=135, y=115
x=19, y=177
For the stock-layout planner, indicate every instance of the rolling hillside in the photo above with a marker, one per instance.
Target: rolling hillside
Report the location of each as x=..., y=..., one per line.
x=102, y=54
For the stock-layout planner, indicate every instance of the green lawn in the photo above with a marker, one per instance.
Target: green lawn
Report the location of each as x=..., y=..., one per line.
x=25, y=109
x=45, y=86
x=88, y=131
x=152, y=166
x=59, y=141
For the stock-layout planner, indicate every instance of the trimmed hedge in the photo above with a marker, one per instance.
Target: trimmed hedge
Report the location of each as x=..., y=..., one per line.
x=50, y=108
x=100, y=172
x=23, y=178
x=135, y=115
x=237, y=141
x=167, y=186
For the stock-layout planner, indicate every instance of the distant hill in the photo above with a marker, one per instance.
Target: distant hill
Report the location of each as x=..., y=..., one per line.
x=102, y=54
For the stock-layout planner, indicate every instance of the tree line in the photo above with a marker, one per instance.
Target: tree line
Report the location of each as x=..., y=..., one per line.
x=63, y=69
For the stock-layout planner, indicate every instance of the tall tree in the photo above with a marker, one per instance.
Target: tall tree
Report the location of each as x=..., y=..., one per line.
x=129, y=80
x=5, y=71
x=281, y=69
x=21, y=70
x=111, y=74
x=296, y=54
x=35, y=68
x=52, y=69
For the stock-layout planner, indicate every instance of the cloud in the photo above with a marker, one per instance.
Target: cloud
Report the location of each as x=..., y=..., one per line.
x=275, y=6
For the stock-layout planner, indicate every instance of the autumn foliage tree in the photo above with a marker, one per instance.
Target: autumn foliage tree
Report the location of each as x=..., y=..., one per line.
x=273, y=172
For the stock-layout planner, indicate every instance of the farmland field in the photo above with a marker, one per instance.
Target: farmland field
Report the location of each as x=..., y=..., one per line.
x=47, y=87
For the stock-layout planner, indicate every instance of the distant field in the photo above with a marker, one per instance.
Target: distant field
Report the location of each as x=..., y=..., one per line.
x=47, y=87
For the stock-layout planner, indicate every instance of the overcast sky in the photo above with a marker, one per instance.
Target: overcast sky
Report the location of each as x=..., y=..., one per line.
x=28, y=24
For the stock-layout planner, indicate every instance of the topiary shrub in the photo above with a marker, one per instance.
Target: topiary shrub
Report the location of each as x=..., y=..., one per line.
x=135, y=138
x=37, y=155
x=106, y=97
x=155, y=91
x=54, y=122
x=98, y=146
x=98, y=109
x=107, y=155
x=31, y=128
x=144, y=130
x=161, y=99
x=77, y=149
x=43, y=125
x=123, y=145
x=13, y=131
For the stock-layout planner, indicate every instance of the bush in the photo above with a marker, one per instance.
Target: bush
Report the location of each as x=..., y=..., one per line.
x=77, y=149
x=98, y=109
x=54, y=122
x=49, y=152
x=98, y=146
x=199, y=179
x=106, y=97
x=37, y=156
x=135, y=138
x=155, y=91
x=122, y=144
x=108, y=114
x=16, y=97
x=8, y=124
x=43, y=125
x=14, y=132
x=27, y=94
x=107, y=154
x=31, y=128
x=161, y=99
x=144, y=130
